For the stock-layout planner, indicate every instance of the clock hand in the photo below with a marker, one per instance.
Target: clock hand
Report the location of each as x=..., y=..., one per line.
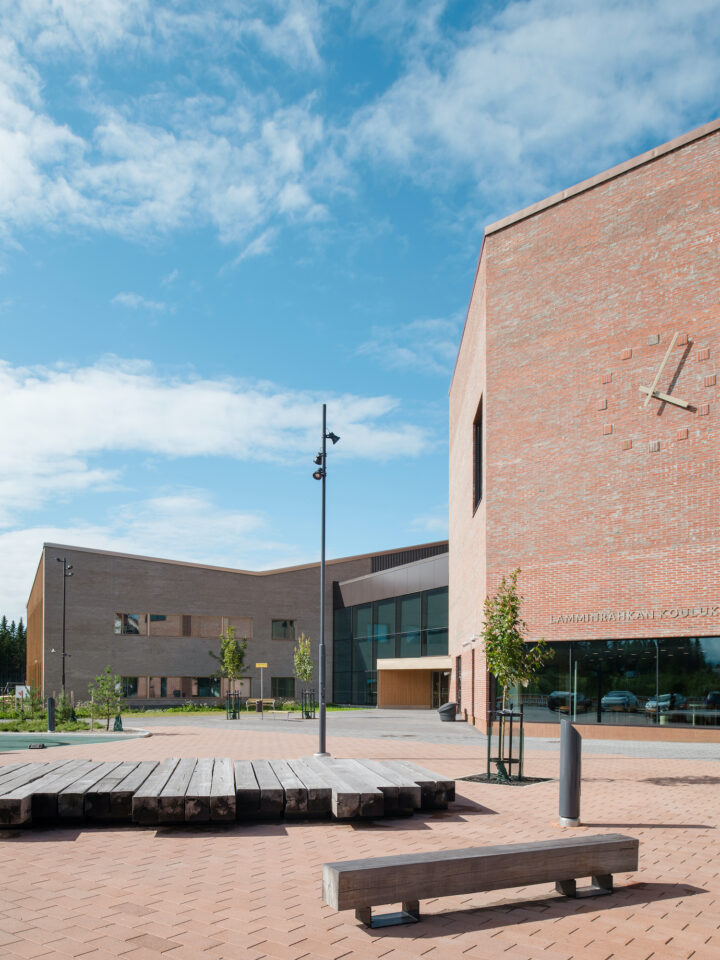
x=665, y=397
x=657, y=375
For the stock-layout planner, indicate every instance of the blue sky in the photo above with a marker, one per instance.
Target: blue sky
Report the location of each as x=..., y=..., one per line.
x=216, y=216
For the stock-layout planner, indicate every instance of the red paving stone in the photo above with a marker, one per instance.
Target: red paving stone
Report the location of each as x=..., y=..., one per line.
x=252, y=891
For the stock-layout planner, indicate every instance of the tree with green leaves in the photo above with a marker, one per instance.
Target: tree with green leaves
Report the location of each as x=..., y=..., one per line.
x=511, y=660
x=302, y=655
x=231, y=659
x=106, y=691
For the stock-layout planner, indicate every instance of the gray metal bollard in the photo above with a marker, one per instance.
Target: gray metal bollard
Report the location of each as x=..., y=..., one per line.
x=51, y=714
x=570, y=774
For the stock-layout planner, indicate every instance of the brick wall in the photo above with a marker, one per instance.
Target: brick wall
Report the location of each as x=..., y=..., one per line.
x=573, y=309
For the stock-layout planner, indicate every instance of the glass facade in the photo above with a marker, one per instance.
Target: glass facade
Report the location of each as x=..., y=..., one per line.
x=617, y=682
x=415, y=625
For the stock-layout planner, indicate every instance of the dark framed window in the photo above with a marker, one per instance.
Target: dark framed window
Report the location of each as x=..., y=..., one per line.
x=130, y=623
x=478, y=456
x=283, y=630
x=208, y=686
x=129, y=686
x=283, y=687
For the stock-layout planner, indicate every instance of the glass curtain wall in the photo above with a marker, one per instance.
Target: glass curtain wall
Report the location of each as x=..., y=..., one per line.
x=415, y=625
x=649, y=681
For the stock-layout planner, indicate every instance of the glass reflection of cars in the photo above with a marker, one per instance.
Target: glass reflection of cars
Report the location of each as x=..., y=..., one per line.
x=560, y=700
x=619, y=700
x=712, y=700
x=668, y=701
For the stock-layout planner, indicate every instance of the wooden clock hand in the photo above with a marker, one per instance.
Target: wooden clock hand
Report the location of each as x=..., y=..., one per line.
x=665, y=397
x=660, y=370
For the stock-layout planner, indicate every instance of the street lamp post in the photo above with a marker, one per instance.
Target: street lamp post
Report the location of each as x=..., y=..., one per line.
x=67, y=572
x=320, y=474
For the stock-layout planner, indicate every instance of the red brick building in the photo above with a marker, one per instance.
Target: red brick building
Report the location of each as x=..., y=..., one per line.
x=564, y=464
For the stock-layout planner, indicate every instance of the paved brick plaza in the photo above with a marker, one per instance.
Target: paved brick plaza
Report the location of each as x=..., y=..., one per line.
x=253, y=891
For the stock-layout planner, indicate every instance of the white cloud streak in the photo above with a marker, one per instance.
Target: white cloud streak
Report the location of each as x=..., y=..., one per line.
x=137, y=302
x=424, y=346
x=60, y=419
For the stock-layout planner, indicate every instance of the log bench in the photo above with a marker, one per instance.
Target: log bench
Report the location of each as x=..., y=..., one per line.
x=409, y=878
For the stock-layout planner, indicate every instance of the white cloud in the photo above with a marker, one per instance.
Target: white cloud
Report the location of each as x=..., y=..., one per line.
x=294, y=38
x=434, y=523
x=169, y=279
x=187, y=526
x=426, y=346
x=136, y=302
x=540, y=89
x=59, y=419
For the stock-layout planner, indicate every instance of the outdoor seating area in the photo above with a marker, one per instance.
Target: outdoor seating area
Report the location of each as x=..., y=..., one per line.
x=216, y=790
x=408, y=878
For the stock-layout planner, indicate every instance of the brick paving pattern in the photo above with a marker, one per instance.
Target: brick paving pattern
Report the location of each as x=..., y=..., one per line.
x=249, y=891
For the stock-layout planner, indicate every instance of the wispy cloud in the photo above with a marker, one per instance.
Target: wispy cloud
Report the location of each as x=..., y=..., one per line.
x=434, y=522
x=424, y=346
x=136, y=302
x=76, y=414
x=541, y=89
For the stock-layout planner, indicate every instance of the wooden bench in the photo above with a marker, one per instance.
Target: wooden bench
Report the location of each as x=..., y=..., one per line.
x=268, y=703
x=409, y=878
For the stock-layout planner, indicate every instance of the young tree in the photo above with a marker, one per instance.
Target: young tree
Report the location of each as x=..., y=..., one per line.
x=231, y=659
x=304, y=666
x=509, y=658
x=106, y=690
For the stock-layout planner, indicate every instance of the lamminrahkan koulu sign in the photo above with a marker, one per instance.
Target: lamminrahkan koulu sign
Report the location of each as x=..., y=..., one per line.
x=625, y=616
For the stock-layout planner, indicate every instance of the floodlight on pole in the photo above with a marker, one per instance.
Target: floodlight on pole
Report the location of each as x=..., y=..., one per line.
x=67, y=572
x=321, y=474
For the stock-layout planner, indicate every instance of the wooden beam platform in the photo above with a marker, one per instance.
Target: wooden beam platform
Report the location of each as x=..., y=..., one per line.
x=212, y=789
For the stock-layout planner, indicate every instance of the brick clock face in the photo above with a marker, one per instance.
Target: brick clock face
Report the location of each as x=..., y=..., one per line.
x=667, y=375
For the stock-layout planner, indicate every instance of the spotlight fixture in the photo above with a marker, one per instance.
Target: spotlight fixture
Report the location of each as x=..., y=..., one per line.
x=332, y=436
x=319, y=474
x=318, y=459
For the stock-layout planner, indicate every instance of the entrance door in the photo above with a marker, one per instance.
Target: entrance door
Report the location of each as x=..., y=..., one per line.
x=440, y=688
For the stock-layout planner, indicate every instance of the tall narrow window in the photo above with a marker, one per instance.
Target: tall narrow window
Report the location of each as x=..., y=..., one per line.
x=478, y=457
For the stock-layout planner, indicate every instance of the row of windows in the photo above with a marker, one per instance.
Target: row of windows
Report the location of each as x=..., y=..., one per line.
x=280, y=687
x=414, y=625
x=185, y=625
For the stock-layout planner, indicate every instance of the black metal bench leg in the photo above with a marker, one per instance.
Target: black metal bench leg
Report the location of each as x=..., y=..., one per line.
x=602, y=884
x=412, y=908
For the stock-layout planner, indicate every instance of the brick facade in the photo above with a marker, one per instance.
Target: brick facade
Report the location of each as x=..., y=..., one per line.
x=609, y=505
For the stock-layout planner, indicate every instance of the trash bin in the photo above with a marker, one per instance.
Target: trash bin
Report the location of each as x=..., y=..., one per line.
x=447, y=712
x=259, y=706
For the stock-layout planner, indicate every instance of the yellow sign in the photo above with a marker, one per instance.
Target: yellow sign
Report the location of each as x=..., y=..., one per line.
x=258, y=665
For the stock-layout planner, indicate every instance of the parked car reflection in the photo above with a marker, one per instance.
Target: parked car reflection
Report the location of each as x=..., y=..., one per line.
x=564, y=701
x=666, y=702
x=621, y=700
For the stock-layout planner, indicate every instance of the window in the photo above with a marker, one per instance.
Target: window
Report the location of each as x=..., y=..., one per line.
x=478, y=457
x=208, y=687
x=283, y=630
x=132, y=623
x=129, y=686
x=283, y=687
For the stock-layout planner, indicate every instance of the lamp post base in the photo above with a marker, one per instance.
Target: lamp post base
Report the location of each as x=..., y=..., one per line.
x=321, y=755
x=569, y=821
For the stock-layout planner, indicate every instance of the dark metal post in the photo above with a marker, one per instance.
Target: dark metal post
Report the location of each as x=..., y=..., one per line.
x=50, y=714
x=322, y=752
x=67, y=572
x=657, y=680
x=570, y=774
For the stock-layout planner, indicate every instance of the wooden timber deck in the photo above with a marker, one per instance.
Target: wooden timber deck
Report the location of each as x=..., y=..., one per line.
x=215, y=790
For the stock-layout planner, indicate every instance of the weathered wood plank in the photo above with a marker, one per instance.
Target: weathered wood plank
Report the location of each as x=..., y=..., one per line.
x=97, y=799
x=247, y=791
x=71, y=800
x=319, y=792
x=419, y=876
x=222, y=792
x=272, y=795
x=37, y=799
x=171, y=799
x=197, y=797
x=121, y=796
x=33, y=771
x=345, y=800
x=436, y=791
x=375, y=781
x=296, y=796
x=145, y=798
x=409, y=793
x=358, y=779
x=9, y=768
